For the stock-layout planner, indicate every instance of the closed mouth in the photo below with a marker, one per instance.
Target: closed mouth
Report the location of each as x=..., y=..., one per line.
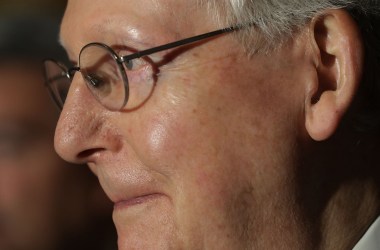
x=122, y=204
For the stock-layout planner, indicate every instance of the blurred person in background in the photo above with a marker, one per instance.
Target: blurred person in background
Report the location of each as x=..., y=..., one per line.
x=45, y=203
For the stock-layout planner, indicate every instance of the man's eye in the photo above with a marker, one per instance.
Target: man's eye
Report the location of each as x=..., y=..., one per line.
x=135, y=64
x=129, y=64
x=101, y=84
x=96, y=80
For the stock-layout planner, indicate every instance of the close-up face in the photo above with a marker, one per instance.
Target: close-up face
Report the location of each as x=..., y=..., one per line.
x=41, y=196
x=206, y=149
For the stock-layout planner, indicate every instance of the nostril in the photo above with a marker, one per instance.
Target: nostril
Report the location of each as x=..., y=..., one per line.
x=89, y=152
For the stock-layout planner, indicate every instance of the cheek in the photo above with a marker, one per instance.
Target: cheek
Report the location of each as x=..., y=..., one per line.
x=166, y=137
x=170, y=127
x=158, y=137
x=185, y=132
x=175, y=144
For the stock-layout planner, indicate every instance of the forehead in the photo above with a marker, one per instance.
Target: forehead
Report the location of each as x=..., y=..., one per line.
x=149, y=21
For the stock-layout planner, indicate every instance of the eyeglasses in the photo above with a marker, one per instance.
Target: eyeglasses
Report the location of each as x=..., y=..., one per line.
x=117, y=82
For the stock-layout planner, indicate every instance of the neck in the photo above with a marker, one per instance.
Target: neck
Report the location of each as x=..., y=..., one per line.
x=340, y=195
x=348, y=214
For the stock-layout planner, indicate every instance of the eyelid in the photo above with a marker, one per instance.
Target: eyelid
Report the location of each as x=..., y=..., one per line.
x=138, y=62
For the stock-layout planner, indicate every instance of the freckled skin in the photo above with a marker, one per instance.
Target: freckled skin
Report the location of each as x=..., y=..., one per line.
x=205, y=139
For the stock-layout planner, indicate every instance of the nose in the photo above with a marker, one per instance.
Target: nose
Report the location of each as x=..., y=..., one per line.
x=82, y=127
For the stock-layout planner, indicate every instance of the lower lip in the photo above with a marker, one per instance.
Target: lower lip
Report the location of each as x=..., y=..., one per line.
x=136, y=201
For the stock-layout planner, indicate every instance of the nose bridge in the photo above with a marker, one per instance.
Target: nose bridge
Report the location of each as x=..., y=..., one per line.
x=71, y=72
x=78, y=122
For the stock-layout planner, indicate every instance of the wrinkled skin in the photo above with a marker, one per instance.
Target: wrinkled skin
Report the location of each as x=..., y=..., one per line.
x=207, y=160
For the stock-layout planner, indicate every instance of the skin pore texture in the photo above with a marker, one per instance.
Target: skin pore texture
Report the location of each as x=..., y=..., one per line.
x=217, y=158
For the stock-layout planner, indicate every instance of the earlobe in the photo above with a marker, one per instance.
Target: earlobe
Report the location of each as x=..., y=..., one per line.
x=338, y=56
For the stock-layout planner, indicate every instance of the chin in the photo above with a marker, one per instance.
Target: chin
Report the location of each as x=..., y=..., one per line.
x=147, y=225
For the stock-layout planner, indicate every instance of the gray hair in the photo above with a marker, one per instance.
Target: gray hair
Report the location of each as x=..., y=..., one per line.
x=276, y=21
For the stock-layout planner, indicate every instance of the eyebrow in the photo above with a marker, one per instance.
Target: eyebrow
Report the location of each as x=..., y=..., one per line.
x=123, y=37
x=100, y=28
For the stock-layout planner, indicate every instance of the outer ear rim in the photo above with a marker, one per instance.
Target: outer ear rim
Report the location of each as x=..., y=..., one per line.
x=324, y=114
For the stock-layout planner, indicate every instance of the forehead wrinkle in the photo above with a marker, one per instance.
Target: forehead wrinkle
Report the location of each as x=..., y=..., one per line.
x=103, y=26
x=117, y=31
x=133, y=32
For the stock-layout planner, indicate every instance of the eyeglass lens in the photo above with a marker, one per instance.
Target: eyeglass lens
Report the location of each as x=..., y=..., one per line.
x=57, y=81
x=114, y=84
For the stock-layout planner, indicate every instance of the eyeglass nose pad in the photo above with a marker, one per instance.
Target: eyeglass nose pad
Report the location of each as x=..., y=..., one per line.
x=71, y=72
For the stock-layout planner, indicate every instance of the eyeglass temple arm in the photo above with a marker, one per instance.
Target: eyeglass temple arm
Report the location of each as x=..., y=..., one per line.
x=182, y=42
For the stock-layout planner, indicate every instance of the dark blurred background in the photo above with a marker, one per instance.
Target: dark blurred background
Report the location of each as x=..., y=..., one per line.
x=45, y=7
x=45, y=203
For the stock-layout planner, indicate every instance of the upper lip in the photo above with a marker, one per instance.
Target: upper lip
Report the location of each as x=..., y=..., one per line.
x=123, y=189
x=136, y=200
x=127, y=193
x=132, y=197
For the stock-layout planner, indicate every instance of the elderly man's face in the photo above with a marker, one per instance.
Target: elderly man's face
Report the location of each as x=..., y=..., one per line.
x=201, y=162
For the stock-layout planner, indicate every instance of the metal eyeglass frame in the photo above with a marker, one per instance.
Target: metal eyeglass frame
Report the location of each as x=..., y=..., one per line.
x=125, y=59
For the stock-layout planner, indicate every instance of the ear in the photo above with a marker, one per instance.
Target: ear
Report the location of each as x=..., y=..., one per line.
x=338, y=53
